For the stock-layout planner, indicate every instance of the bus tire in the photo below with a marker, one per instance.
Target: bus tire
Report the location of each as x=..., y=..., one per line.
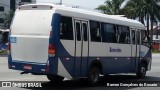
x=55, y=78
x=141, y=71
x=93, y=76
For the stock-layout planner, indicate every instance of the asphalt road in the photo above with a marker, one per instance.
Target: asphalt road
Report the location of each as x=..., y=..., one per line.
x=13, y=75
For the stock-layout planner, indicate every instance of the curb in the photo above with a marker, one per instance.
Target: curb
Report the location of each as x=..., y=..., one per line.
x=156, y=55
x=3, y=55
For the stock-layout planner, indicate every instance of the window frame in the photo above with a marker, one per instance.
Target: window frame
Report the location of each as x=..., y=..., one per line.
x=1, y=20
x=63, y=37
x=145, y=43
x=2, y=9
x=103, y=29
x=124, y=31
x=98, y=25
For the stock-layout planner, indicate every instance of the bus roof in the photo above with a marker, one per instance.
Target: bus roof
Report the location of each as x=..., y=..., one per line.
x=85, y=14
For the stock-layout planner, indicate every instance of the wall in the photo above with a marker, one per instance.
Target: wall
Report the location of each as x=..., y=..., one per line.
x=6, y=5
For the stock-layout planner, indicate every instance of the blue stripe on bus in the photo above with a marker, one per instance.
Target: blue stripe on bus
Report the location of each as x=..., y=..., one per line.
x=54, y=39
x=110, y=65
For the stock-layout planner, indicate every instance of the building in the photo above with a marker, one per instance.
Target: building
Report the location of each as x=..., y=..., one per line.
x=4, y=8
x=7, y=5
x=156, y=38
x=22, y=2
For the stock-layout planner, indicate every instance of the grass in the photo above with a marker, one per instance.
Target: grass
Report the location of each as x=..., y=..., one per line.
x=155, y=51
x=3, y=52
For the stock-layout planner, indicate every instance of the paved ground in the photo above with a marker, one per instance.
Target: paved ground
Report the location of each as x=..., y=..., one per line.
x=12, y=75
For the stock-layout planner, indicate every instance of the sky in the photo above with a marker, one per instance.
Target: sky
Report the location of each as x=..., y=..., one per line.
x=87, y=4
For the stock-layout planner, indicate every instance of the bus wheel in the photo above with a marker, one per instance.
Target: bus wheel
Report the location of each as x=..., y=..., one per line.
x=141, y=71
x=55, y=78
x=93, y=76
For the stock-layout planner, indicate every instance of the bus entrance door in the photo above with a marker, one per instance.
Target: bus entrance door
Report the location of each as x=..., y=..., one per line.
x=135, y=49
x=81, y=47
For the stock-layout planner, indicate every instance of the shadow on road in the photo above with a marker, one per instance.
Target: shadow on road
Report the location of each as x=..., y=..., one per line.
x=83, y=84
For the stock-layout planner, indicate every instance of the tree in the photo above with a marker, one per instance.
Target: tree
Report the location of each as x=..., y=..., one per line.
x=147, y=10
x=111, y=7
x=129, y=10
x=7, y=19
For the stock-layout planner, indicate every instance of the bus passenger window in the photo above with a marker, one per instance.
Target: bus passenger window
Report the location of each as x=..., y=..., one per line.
x=95, y=31
x=109, y=33
x=85, y=31
x=78, y=31
x=66, y=29
x=143, y=36
x=124, y=35
x=126, y=32
x=144, y=39
x=138, y=37
x=118, y=33
x=133, y=37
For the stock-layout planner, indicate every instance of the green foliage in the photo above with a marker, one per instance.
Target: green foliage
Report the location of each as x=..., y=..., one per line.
x=144, y=10
x=110, y=7
x=3, y=52
x=7, y=19
x=155, y=51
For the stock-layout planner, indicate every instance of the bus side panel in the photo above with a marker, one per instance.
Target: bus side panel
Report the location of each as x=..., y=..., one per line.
x=84, y=66
x=53, y=65
x=149, y=56
x=110, y=65
x=65, y=60
x=118, y=65
x=115, y=58
x=134, y=64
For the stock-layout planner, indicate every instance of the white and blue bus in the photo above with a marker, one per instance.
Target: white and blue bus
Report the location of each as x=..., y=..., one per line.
x=59, y=41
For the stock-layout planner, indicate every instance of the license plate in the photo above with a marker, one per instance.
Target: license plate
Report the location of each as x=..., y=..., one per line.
x=27, y=67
